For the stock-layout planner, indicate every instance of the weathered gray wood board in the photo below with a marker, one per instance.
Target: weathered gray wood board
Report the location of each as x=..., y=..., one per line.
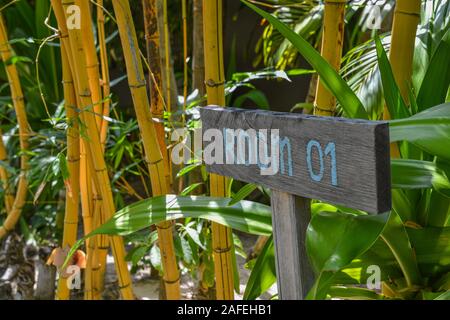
x=341, y=161
x=290, y=216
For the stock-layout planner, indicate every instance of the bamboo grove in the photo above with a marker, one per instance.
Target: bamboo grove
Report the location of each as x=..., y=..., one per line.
x=90, y=113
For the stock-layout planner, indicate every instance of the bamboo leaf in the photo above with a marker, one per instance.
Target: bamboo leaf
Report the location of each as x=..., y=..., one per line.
x=243, y=193
x=186, y=191
x=245, y=216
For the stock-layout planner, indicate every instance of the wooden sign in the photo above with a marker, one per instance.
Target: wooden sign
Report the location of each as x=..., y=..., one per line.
x=300, y=157
x=340, y=161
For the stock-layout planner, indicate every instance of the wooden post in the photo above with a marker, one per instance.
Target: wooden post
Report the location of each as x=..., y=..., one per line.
x=291, y=215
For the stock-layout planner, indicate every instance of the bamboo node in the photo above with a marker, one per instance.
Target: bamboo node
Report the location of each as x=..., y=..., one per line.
x=70, y=221
x=211, y=83
x=95, y=65
x=86, y=94
x=151, y=163
x=141, y=84
x=163, y=228
x=222, y=250
x=408, y=13
x=19, y=98
x=124, y=286
x=335, y=2
x=316, y=107
x=7, y=230
x=173, y=281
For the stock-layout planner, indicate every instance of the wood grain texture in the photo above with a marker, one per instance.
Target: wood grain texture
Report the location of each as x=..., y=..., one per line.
x=362, y=165
x=291, y=215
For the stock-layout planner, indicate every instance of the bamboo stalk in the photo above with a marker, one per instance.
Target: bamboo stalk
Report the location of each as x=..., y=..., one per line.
x=152, y=36
x=106, y=90
x=4, y=177
x=100, y=249
x=185, y=56
x=198, y=74
x=215, y=80
x=24, y=131
x=73, y=159
x=332, y=43
x=153, y=154
x=105, y=79
x=93, y=145
x=404, y=28
x=167, y=56
x=198, y=59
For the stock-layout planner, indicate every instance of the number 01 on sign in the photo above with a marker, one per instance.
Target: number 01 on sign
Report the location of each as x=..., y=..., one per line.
x=300, y=157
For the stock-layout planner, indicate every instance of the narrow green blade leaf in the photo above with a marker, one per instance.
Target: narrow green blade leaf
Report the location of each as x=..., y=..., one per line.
x=350, y=103
x=436, y=82
x=263, y=275
x=394, y=101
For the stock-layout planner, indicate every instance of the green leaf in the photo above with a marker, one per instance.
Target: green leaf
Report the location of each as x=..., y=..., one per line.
x=335, y=239
x=432, y=249
x=444, y=296
x=186, y=191
x=354, y=293
x=435, y=84
x=394, y=101
x=63, y=166
x=17, y=59
x=416, y=174
x=352, y=106
x=397, y=239
x=243, y=193
x=155, y=258
x=194, y=235
x=263, y=274
x=188, y=169
x=429, y=130
x=245, y=216
x=186, y=250
x=257, y=96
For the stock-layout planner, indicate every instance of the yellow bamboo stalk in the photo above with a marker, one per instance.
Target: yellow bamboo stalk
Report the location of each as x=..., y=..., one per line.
x=168, y=77
x=153, y=154
x=332, y=43
x=198, y=59
x=185, y=56
x=4, y=177
x=152, y=36
x=106, y=90
x=215, y=80
x=167, y=53
x=93, y=144
x=404, y=28
x=73, y=159
x=6, y=54
x=100, y=249
x=105, y=79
